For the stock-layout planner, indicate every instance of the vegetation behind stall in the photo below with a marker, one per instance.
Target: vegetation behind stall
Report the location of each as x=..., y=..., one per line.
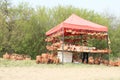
x=22, y=28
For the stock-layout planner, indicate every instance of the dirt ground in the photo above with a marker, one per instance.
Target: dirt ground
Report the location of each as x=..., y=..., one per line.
x=36, y=73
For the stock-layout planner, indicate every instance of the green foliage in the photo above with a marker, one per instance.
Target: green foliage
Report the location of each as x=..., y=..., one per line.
x=23, y=28
x=115, y=41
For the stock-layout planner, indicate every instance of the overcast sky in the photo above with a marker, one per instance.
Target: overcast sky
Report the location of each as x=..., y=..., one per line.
x=100, y=6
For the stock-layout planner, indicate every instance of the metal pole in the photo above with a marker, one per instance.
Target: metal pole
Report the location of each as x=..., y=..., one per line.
x=63, y=46
x=82, y=51
x=108, y=45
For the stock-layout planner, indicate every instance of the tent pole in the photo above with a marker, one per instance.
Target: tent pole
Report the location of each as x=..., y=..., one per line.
x=82, y=45
x=63, y=46
x=81, y=39
x=108, y=45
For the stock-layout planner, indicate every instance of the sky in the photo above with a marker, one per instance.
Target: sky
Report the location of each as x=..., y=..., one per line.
x=100, y=6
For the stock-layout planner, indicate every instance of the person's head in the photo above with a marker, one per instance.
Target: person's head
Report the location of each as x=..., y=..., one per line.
x=85, y=43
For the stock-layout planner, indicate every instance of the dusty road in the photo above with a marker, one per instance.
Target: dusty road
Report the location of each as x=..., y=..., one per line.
x=36, y=73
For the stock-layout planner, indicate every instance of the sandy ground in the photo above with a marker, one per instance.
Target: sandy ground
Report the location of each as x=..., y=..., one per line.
x=36, y=73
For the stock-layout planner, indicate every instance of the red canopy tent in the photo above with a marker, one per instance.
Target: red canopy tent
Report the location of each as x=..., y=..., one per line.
x=74, y=22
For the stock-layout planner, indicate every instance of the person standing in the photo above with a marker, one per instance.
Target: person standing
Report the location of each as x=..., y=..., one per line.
x=85, y=54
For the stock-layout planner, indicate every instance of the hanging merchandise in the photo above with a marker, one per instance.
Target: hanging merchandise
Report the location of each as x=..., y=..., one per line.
x=74, y=35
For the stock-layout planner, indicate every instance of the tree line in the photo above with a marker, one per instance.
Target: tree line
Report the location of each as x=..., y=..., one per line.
x=23, y=28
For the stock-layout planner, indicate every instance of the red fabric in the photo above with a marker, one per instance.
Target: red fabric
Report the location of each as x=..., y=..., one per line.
x=76, y=23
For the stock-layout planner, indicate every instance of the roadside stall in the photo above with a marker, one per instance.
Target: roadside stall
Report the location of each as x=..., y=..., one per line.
x=76, y=35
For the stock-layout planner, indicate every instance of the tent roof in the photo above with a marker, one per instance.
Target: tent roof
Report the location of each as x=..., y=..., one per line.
x=74, y=22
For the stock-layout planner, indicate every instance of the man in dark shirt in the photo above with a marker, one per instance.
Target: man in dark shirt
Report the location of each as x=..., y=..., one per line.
x=85, y=54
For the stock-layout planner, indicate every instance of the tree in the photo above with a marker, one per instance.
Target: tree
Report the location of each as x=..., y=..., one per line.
x=23, y=28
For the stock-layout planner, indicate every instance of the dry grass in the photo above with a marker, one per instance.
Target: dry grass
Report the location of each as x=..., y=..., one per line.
x=29, y=70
